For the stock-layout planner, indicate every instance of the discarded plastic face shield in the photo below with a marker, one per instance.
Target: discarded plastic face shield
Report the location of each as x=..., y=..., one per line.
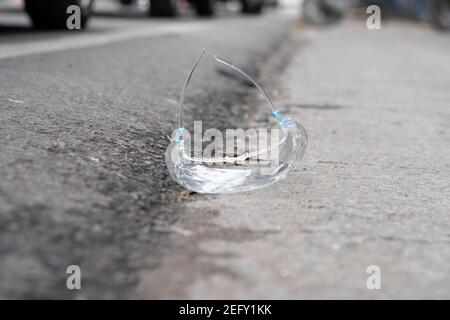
x=237, y=173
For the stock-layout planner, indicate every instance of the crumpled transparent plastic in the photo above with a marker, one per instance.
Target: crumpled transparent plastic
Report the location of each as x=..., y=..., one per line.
x=237, y=173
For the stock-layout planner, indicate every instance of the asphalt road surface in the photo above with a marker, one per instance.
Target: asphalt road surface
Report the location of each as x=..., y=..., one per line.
x=84, y=119
x=84, y=124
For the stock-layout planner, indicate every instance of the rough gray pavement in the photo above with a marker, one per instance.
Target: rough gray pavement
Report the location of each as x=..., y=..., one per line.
x=373, y=188
x=83, y=131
